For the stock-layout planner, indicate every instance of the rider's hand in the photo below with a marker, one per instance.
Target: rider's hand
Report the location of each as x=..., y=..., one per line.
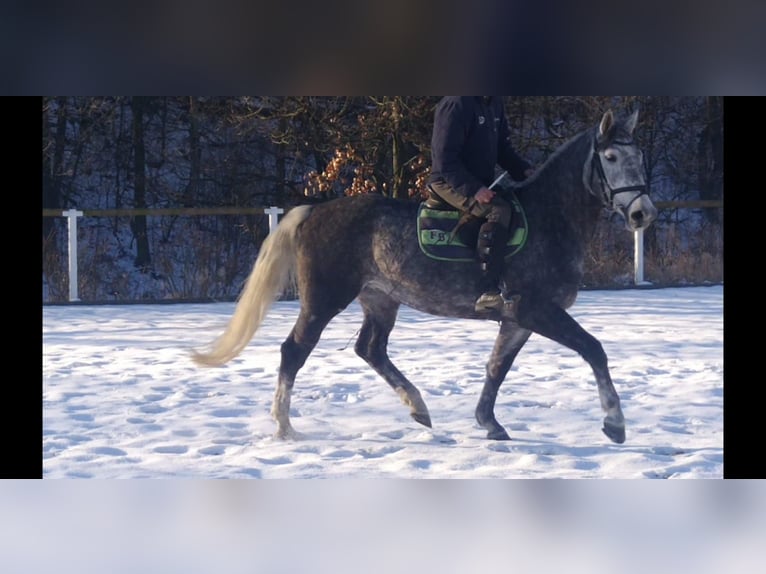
x=484, y=195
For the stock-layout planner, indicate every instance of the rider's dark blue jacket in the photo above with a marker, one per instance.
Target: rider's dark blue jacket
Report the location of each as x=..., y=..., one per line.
x=470, y=138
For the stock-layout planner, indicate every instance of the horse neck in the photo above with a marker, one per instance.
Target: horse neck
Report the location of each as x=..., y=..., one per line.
x=558, y=190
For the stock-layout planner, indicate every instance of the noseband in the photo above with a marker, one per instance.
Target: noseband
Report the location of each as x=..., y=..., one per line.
x=608, y=192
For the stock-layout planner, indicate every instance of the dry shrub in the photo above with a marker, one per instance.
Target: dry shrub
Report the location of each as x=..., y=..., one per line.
x=686, y=259
x=674, y=255
x=190, y=259
x=205, y=265
x=55, y=271
x=609, y=258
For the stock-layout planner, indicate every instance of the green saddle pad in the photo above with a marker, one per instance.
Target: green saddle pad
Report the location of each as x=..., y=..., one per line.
x=437, y=240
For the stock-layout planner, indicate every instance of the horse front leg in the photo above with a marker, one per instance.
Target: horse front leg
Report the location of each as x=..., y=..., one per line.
x=509, y=342
x=551, y=321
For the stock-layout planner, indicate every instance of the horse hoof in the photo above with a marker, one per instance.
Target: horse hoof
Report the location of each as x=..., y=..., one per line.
x=423, y=419
x=287, y=434
x=615, y=433
x=498, y=434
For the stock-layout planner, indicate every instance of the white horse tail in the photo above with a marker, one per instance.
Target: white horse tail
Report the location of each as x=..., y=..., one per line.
x=272, y=272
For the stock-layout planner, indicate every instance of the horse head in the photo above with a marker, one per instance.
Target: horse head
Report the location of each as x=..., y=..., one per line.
x=616, y=173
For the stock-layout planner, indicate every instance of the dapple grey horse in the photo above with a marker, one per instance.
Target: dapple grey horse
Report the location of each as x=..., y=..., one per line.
x=365, y=248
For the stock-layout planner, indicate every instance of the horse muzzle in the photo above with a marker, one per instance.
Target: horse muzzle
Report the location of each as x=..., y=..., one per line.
x=640, y=213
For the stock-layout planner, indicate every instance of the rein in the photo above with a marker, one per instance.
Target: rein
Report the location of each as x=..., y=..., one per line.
x=608, y=192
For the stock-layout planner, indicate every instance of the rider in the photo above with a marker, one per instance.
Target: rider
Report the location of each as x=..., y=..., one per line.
x=470, y=137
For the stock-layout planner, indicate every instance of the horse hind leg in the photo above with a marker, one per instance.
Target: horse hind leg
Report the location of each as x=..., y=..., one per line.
x=295, y=350
x=379, y=318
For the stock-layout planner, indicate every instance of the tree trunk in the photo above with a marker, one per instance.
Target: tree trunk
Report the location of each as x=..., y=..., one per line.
x=710, y=156
x=143, y=258
x=53, y=167
x=281, y=168
x=191, y=195
x=398, y=158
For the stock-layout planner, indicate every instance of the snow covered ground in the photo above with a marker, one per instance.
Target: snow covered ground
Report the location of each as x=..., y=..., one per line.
x=121, y=398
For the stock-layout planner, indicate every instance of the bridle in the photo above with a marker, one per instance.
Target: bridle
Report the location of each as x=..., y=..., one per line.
x=607, y=191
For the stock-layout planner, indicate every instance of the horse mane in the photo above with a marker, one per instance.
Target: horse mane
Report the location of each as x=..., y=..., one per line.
x=563, y=149
x=584, y=139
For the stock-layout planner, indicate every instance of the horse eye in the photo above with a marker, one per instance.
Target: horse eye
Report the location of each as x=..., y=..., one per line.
x=610, y=157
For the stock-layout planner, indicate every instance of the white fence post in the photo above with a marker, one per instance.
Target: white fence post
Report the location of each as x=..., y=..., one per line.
x=72, y=216
x=273, y=213
x=638, y=252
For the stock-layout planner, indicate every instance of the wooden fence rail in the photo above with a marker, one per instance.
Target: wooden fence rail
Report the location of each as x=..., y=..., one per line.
x=274, y=212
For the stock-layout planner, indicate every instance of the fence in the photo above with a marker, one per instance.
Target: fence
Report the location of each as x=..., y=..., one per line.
x=73, y=214
x=274, y=212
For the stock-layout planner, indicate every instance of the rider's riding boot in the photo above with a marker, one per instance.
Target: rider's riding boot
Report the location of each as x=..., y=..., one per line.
x=491, y=251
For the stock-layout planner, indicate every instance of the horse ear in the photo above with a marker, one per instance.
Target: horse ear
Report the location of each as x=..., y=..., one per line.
x=630, y=123
x=607, y=123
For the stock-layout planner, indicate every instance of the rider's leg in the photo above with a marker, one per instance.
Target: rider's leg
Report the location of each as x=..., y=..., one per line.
x=491, y=250
x=493, y=237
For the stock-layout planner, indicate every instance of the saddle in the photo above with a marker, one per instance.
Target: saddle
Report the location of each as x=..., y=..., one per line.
x=444, y=236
